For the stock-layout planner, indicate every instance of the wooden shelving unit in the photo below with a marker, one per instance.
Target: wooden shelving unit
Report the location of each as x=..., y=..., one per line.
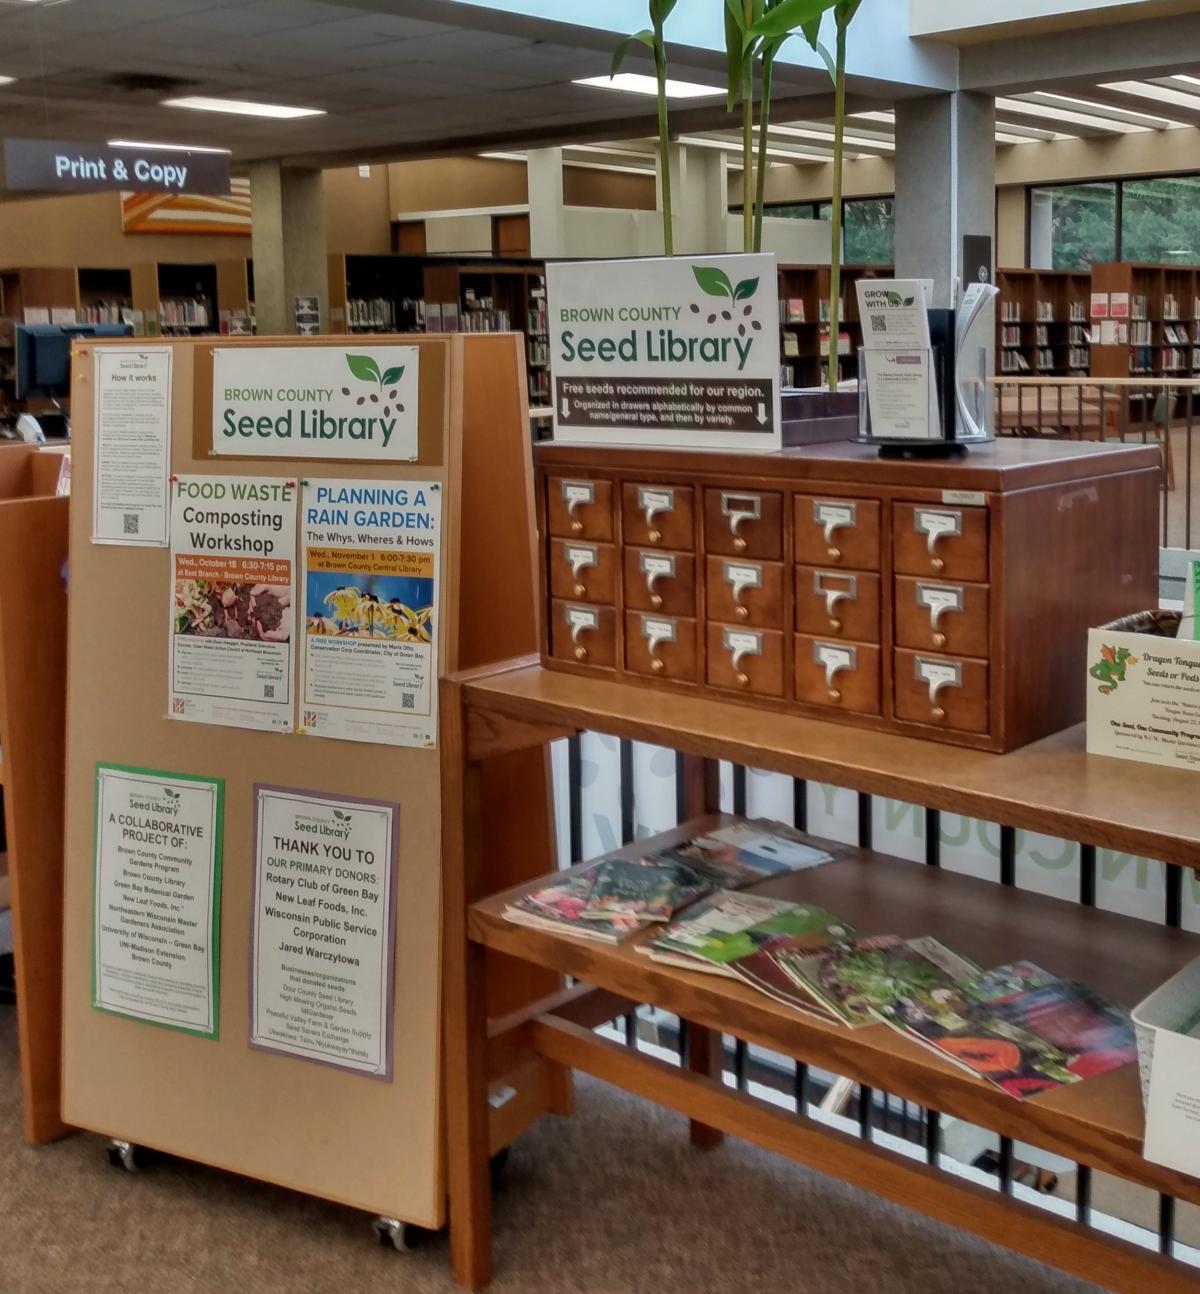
x=1052, y=786
x=235, y=296
x=803, y=320
x=1042, y=325
x=176, y=299
x=1162, y=322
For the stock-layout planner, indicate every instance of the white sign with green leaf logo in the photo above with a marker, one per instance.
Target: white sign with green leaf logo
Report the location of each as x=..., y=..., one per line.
x=674, y=351
x=322, y=402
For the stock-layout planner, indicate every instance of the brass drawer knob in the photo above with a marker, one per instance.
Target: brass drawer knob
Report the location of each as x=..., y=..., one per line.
x=938, y=713
x=836, y=626
x=656, y=600
x=939, y=640
x=580, y=590
x=834, y=554
x=834, y=695
x=581, y=653
x=743, y=680
x=939, y=564
x=743, y=613
x=739, y=543
x=657, y=665
x=577, y=527
x=655, y=536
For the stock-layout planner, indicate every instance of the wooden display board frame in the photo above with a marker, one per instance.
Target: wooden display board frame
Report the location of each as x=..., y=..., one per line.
x=373, y=1145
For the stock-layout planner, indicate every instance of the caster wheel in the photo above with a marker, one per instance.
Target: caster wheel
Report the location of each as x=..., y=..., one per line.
x=124, y=1155
x=499, y=1163
x=401, y=1236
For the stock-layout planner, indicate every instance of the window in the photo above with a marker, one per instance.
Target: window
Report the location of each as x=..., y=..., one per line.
x=1160, y=220
x=869, y=231
x=1072, y=226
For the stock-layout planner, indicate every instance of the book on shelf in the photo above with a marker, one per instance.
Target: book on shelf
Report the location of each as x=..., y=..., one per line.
x=791, y=345
x=1010, y=312
x=854, y=980
x=729, y=925
x=613, y=898
x=1020, y=1028
x=791, y=310
x=1045, y=311
x=1043, y=336
x=1078, y=312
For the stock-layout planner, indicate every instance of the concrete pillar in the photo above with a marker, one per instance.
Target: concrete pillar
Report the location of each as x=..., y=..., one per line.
x=699, y=198
x=547, y=217
x=1041, y=230
x=287, y=241
x=945, y=184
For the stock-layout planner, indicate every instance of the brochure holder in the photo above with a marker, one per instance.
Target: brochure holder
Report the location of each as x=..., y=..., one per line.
x=957, y=409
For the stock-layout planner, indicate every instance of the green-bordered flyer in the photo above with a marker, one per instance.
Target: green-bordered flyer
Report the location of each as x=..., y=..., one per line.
x=156, y=927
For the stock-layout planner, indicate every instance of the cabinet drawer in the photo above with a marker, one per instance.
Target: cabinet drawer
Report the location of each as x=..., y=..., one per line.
x=584, y=634
x=946, y=692
x=934, y=615
x=840, y=675
x=743, y=523
x=951, y=543
x=583, y=571
x=663, y=582
x=745, y=591
x=662, y=646
x=658, y=516
x=745, y=660
x=837, y=604
x=579, y=508
x=837, y=532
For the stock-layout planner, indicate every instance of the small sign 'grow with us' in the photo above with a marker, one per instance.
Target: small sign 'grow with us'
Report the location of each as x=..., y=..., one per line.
x=317, y=402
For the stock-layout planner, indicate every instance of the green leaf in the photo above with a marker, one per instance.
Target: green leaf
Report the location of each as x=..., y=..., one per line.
x=790, y=15
x=745, y=289
x=663, y=7
x=734, y=25
x=827, y=59
x=643, y=37
x=713, y=281
x=909, y=300
x=733, y=9
x=363, y=367
x=392, y=376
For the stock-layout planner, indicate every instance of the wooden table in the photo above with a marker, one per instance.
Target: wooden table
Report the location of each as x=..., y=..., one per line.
x=1052, y=786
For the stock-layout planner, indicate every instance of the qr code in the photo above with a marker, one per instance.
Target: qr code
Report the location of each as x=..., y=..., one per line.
x=269, y=691
x=131, y=520
x=408, y=700
x=878, y=323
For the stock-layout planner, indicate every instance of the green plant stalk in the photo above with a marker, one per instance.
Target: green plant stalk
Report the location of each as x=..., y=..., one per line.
x=764, y=122
x=835, y=263
x=748, y=138
x=664, y=142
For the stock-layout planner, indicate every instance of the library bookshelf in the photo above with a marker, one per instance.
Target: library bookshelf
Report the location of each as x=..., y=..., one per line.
x=176, y=299
x=1152, y=314
x=1042, y=325
x=804, y=341
x=1052, y=786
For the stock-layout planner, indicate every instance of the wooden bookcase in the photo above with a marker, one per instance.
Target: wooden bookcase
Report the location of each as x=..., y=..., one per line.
x=176, y=299
x=235, y=296
x=804, y=341
x=1163, y=320
x=1042, y=324
x=1052, y=787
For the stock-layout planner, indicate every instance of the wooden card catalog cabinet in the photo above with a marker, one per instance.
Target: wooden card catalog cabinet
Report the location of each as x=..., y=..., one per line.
x=944, y=599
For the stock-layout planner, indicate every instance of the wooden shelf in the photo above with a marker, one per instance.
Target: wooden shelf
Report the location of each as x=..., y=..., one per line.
x=1098, y=1121
x=1052, y=786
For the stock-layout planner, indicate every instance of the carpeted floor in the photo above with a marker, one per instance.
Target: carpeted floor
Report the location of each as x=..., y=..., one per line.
x=610, y=1202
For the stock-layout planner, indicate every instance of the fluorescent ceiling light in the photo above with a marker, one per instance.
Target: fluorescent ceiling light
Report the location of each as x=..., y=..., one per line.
x=888, y=116
x=609, y=166
x=241, y=107
x=163, y=148
x=505, y=157
x=1159, y=93
x=7, y=80
x=826, y=137
x=1106, y=110
x=1003, y=137
x=640, y=83
x=1024, y=108
x=735, y=146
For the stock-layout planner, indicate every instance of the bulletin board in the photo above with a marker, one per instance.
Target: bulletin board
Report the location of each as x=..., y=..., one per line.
x=371, y=1144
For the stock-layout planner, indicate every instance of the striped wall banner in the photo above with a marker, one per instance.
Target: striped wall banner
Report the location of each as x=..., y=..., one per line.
x=186, y=213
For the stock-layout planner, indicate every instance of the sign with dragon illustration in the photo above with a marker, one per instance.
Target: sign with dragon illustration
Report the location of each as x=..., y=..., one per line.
x=316, y=402
x=372, y=555
x=1144, y=697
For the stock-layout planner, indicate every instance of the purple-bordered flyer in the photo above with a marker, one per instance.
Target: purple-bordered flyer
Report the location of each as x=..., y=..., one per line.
x=323, y=927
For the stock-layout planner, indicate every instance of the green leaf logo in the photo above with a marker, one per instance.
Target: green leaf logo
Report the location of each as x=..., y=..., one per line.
x=713, y=281
x=895, y=299
x=909, y=300
x=174, y=795
x=364, y=368
x=340, y=816
x=392, y=376
x=745, y=289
